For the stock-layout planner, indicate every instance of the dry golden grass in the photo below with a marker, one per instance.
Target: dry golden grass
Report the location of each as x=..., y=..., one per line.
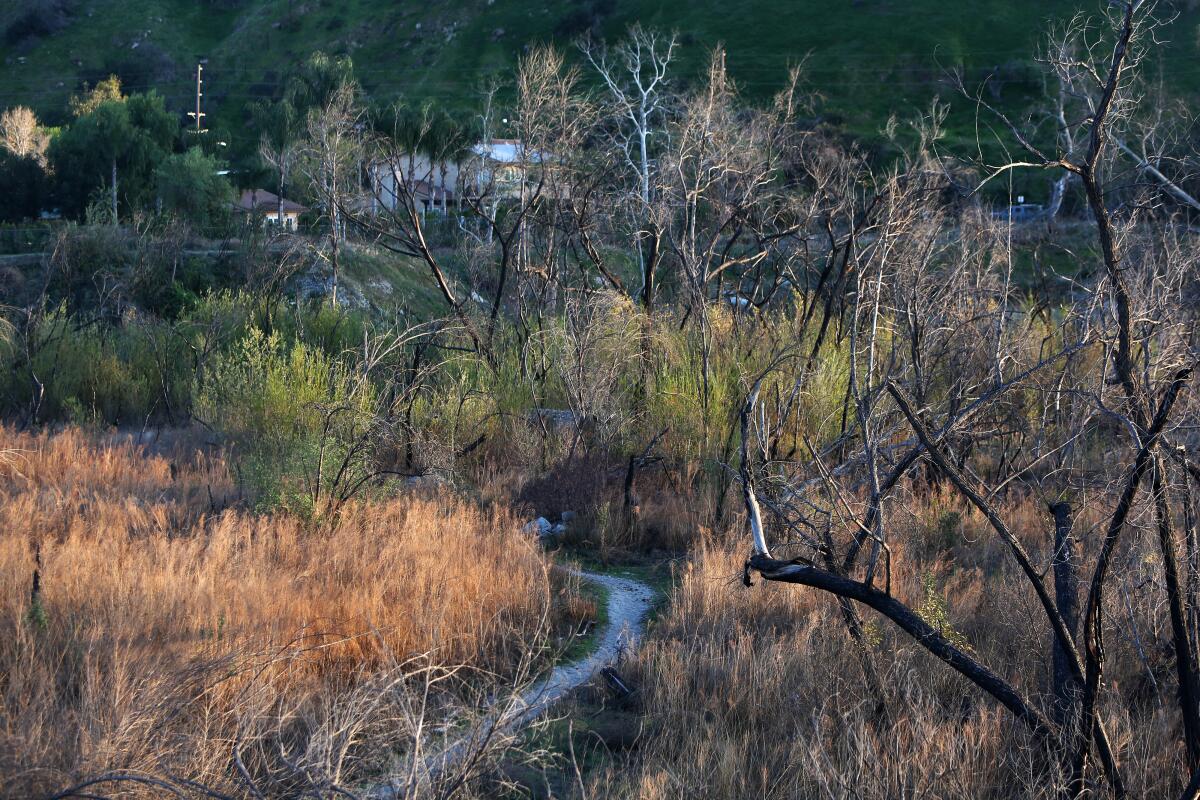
x=168, y=630
x=758, y=692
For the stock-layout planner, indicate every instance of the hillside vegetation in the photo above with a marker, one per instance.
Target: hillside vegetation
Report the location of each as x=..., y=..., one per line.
x=870, y=58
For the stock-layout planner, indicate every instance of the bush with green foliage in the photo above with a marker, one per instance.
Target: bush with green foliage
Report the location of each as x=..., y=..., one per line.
x=291, y=411
x=107, y=269
x=27, y=236
x=57, y=368
x=191, y=185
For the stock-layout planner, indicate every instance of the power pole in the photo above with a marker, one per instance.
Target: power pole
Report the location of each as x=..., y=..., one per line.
x=198, y=114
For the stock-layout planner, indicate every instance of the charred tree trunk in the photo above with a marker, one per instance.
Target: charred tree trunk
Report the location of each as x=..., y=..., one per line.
x=910, y=622
x=1066, y=687
x=1185, y=666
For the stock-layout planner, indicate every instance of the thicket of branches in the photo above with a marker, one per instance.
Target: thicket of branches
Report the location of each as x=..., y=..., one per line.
x=1081, y=398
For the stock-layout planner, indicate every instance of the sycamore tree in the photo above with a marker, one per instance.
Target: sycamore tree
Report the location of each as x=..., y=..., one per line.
x=22, y=164
x=22, y=135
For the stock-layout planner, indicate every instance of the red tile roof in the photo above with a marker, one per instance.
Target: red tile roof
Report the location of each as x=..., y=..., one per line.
x=267, y=202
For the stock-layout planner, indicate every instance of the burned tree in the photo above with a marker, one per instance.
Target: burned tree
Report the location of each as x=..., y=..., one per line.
x=1117, y=358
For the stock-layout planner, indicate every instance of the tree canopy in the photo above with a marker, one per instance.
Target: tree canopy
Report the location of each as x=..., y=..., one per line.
x=190, y=185
x=122, y=140
x=25, y=187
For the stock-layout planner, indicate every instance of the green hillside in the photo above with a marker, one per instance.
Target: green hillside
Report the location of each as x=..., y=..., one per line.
x=868, y=58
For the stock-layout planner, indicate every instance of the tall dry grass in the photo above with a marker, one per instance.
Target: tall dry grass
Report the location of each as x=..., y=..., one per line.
x=759, y=692
x=170, y=633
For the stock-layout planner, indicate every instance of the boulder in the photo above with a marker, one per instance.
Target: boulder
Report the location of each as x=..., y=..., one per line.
x=428, y=481
x=540, y=527
x=556, y=420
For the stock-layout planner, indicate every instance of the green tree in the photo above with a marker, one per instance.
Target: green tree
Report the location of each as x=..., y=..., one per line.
x=279, y=126
x=317, y=80
x=25, y=187
x=191, y=185
x=104, y=91
x=114, y=149
x=311, y=87
x=452, y=137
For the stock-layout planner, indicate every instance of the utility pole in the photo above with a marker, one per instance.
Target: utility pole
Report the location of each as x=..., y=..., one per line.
x=198, y=114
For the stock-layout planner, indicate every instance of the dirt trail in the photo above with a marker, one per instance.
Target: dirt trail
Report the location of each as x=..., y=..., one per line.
x=628, y=603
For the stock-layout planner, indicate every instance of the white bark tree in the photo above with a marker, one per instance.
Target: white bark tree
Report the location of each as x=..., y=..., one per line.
x=329, y=158
x=635, y=74
x=21, y=135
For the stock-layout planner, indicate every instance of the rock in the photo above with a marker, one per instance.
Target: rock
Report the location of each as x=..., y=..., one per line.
x=315, y=283
x=381, y=286
x=427, y=481
x=556, y=420
x=737, y=301
x=540, y=526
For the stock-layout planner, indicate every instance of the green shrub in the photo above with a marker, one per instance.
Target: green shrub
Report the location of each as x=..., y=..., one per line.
x=936, y=611
x=129, y=373
x=293, y=414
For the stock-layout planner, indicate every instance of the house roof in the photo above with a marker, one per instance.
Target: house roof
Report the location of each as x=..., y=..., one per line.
x=268, y=202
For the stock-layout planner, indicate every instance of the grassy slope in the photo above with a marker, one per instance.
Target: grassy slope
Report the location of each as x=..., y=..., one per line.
x=870, y=58
x=389, y=281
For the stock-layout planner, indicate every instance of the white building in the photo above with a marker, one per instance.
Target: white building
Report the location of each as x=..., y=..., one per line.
x=491, y=169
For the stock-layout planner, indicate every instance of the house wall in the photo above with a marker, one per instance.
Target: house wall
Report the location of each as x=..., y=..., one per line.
x=388, y=179
x=291, y=219
x=477, y=174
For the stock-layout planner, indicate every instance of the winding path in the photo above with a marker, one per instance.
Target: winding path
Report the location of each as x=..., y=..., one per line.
x=628, y=603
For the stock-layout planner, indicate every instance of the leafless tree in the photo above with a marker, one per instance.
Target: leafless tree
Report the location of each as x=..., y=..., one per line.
x=515, y=195
x=22, y=135
x=635, y=74
x=1133, y=314
x=730, y=224
x=329, y=159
